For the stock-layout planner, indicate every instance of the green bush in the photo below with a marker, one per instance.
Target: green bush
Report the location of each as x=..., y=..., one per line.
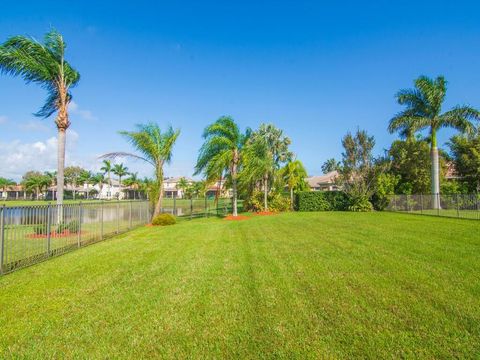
x=72, y=227
x=163, y=219
x=277, y=202
x=359, y=204
x=321, y=201
x=40, y=229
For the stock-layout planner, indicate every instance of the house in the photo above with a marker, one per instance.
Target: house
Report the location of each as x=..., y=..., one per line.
x=171, y=188
x=13, y=192
x=325, y=182
x=218, y=189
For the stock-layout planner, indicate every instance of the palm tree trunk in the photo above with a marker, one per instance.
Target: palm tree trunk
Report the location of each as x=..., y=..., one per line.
x=234, y=182
x=291, y=197
x=60, y=164
x=435, y=172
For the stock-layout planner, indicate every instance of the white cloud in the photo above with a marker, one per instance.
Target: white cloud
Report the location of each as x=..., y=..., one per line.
x=17, y=157
x=82, y=113
x=3, y=119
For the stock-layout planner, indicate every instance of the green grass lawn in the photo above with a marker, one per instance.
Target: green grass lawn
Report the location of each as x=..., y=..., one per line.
x=302, y=285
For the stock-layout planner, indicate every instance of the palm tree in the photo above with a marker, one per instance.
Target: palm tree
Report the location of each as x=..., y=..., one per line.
x=120, y=170
x=85, y=178
x=294, y=174
x=424, y=111
x=134, y=182
x=221, y=153
x=330, y=165
x=4, y=183
x=183, y=185
x=44, y=64
x=98, y=179
x=37, y=183
x=155, y=148
x=268, y=150
x=107, y=169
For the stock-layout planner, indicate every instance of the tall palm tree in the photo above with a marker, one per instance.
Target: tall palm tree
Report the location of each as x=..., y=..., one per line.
x=221, y=153
x=294, y=174
x=424, y=111
x=155, y=148
x=44, y=64
x=120, y=170
x=107, y=170
x=268, y=150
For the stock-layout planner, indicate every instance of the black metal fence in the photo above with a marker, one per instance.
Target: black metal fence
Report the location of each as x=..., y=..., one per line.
x=456, y=205
x=30, y=234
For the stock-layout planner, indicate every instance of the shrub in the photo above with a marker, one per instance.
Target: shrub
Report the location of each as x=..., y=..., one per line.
x=72, y=227
x=40, y=229
x=359, y=204
x=277, y=202
x=163, y=219
x=321, y=201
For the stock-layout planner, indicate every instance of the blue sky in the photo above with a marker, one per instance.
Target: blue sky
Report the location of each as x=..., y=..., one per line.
x=315, y=69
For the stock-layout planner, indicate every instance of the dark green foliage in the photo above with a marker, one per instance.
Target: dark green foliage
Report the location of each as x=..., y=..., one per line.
x=277, y=202
x=465, y=152
x=40, y=229
x=72, y=227
x=163, y=220
x=322, y=201
x=359, y=204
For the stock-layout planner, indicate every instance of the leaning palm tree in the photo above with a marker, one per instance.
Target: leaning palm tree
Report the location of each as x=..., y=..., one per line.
x=155, y=148
x=221, y=153
x=424, y=111
x=44, y=64
x=294, y=174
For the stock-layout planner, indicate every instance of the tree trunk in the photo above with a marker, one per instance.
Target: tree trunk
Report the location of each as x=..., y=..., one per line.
x=234, y=182
x=291, y=198
x=158, y=206
x=435, y=178
x=265, y=192
x=60, y=164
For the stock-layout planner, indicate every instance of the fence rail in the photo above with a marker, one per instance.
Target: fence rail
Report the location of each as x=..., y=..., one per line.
x=30, y=234
x=457, y=205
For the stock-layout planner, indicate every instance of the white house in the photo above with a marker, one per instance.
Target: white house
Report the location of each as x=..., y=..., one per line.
x=171, y=189
x=325, y=182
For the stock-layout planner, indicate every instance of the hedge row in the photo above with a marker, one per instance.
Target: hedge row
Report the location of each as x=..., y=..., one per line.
x=321, y=201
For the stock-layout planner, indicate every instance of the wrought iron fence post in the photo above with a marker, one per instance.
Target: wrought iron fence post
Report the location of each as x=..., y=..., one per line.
x=118, y=216
x=175, y=203
x=49, y=224
x=101, y=220
x=456, y=201
x=206, y=212
x=394, y=202
x=421, y=203
x=130, y=216
x=438, y=204
x=406, y=203
x=80, y=216
x=191, y=208
x=2, y=237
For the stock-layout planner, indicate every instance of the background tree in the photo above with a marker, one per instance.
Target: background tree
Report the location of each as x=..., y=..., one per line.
x=44, y=64
x=358, y=171
x=330, y=165
x=107, y=170
x=294, y=174
x=36, y=182
x=221, y=153
x=424, y=111
x=134, y=182
x=99, y=179
x=155, y=148
x=85, y=178
x=72, y=176
x=5, y=183
x=183, y=185
x=120, y=170
x=465, y=152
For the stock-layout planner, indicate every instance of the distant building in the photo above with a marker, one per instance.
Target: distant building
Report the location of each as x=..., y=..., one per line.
x=171, y=189
x=325, y=182
x=218, y=188
x=13, y=192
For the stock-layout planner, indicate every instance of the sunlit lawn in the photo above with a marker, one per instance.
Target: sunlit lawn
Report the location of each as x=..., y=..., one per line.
x=303, y=285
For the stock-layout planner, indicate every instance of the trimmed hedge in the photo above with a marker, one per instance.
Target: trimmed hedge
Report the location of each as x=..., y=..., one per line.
x=321, y=201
